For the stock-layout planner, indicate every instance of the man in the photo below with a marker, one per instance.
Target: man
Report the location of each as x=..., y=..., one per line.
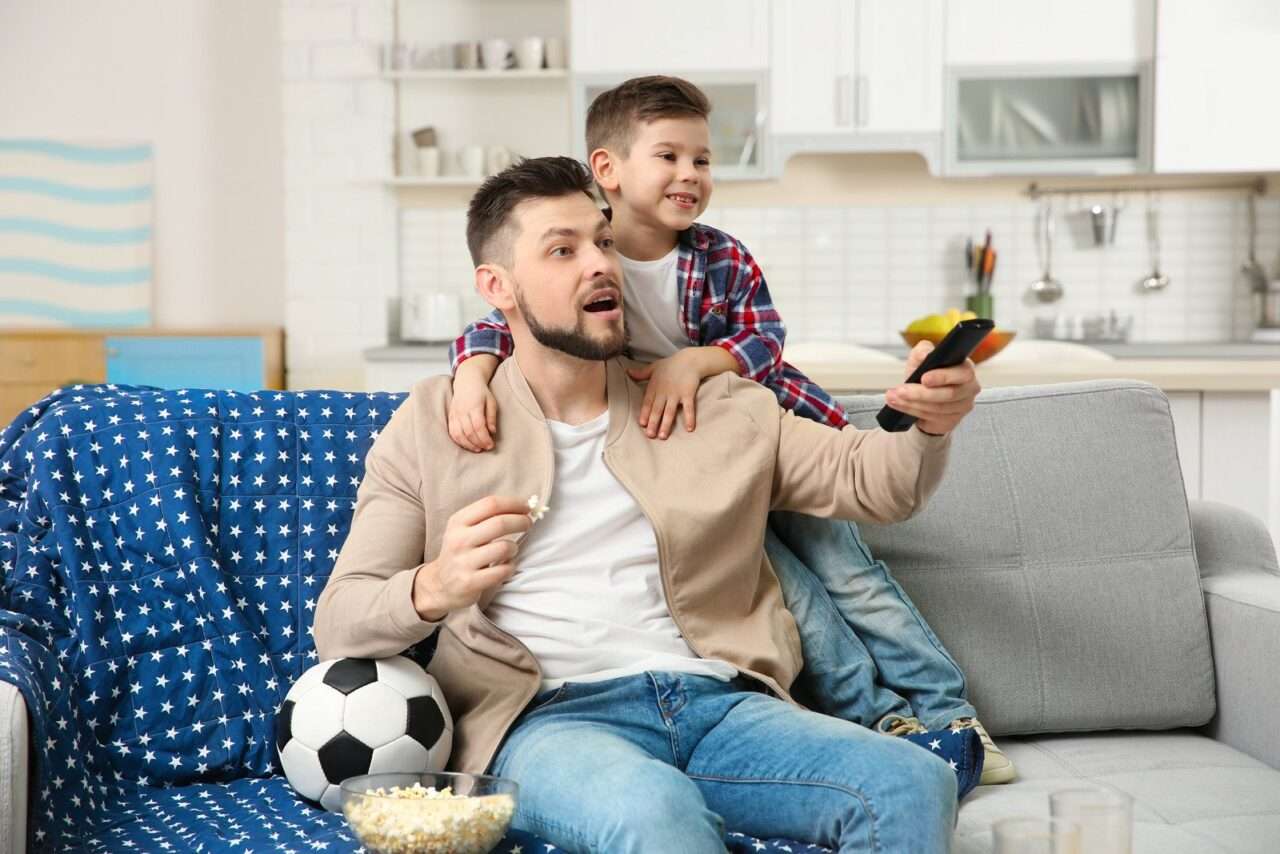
x=627, y=658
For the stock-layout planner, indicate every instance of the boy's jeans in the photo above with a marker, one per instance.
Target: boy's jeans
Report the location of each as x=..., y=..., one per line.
x=668, y=762
x=867, y=651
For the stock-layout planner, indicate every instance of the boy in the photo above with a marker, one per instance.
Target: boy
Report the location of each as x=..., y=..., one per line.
x=696, y=306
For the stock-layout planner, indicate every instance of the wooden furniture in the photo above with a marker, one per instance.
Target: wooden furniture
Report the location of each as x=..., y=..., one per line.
x=34, y=361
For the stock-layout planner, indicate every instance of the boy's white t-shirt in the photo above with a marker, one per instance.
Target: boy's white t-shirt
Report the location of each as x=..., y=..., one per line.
x=586, y=597
x=651, y=307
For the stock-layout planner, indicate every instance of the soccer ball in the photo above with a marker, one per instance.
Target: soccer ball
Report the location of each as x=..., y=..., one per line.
x=353, y=716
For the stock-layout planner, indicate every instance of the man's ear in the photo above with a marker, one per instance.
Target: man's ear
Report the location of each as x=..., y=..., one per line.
x=493, y=283
x=604, y=167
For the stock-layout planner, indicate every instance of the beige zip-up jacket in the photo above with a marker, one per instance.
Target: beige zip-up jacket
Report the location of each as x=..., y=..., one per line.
x=707, y=494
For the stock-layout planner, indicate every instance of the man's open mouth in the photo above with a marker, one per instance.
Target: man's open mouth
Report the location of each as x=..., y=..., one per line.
x=601, y=303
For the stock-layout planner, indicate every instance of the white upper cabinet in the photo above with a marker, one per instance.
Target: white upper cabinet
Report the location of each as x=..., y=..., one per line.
x=853, y=67
x=1047, y=32
x=899, y=80
x=1216, y=70
x=668, y=36
x=813, y=66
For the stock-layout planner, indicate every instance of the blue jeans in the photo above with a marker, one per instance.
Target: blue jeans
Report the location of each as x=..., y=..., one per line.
x=668, y=762
x=867, y=651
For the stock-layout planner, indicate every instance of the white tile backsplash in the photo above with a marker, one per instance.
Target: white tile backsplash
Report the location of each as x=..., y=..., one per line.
x=859, y=274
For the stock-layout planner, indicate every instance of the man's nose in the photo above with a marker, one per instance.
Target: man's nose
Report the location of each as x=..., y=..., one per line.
x=597, y=263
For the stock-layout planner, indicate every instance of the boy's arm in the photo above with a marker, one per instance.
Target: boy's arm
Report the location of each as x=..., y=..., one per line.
x=489, y=334
x=755, y=329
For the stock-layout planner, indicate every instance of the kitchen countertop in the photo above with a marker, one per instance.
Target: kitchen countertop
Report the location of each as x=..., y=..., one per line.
x=1172, y=366
x=1168, y=374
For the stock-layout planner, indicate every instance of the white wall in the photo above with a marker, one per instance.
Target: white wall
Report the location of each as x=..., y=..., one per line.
x=198, y=79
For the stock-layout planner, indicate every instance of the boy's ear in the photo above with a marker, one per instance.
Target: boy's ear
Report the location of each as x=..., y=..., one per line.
x=492, y=283
x=604, y=168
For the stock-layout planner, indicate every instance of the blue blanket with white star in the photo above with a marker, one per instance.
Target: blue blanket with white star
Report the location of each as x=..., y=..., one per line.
x=162, y=553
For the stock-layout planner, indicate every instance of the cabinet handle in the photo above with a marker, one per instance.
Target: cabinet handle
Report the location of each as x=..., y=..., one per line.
x=843, y=98
x=864, y=100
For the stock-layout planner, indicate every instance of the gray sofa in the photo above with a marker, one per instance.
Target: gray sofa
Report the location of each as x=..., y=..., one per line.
x=1111, y=634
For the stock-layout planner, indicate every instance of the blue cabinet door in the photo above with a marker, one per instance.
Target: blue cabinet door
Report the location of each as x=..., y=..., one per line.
x=198, y=362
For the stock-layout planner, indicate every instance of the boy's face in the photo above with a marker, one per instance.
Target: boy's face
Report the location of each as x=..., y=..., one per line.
x=666, y=176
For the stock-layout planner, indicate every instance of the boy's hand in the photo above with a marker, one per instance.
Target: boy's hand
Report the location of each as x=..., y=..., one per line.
x=941, y=399
x=477, y=554
x=473, y=411
x=673, y=384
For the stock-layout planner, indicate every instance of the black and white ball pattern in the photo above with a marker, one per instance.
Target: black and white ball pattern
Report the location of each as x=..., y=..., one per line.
x=352, y=716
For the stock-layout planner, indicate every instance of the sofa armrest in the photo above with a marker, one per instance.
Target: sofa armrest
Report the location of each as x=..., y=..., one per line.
x=1241, y=583
x=14, y=768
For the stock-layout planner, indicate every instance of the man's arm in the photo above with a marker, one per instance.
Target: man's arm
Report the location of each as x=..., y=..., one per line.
x=861, y=475
x=872, y=475
x=367, y=607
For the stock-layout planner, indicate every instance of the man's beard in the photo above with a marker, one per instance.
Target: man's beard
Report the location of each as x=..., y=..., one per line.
x=574, y=342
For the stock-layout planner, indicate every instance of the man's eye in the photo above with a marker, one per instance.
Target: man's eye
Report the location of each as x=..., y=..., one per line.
x=606, y=243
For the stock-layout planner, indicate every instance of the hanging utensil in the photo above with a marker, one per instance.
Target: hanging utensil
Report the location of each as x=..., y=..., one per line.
x=1157, y=281
x=1046, y=288
x=1253, y=271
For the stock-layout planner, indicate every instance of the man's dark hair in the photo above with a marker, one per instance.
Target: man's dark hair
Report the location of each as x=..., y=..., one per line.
x=490, y=229
x=615, y=114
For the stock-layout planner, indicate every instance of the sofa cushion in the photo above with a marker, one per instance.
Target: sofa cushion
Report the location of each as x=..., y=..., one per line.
x=1056, y=561
x=1192, y=795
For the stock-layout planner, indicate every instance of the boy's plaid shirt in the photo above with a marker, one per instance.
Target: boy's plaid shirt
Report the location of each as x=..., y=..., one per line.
x=724, y=302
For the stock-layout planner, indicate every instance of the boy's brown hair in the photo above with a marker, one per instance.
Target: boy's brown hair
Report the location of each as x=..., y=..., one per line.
x=614, y=114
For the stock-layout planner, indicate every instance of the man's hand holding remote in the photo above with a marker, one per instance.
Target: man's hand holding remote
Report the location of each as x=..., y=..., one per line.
x=941, y=399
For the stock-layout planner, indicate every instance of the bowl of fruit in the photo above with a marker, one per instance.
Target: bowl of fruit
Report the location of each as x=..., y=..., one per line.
x=934, y=327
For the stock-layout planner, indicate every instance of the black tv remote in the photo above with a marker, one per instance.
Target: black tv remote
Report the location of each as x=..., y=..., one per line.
x=963, y=338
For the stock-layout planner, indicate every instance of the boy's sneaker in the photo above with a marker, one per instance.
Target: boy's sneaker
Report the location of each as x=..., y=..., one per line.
x=961, y=748
x=996, y=767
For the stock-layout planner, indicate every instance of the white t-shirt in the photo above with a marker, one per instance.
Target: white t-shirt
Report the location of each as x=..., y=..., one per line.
x=652, y=309
x=586, y=597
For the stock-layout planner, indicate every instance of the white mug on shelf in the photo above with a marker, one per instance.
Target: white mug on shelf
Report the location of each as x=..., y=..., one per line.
x=429, y=161
x=554, y=49
x=529, y=54
x=496, y=54
x=471, y=161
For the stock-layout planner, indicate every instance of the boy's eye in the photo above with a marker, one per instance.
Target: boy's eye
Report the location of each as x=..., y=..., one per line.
x=667, y=156
x=703, y=161
x=560, y=251
x=606, y=243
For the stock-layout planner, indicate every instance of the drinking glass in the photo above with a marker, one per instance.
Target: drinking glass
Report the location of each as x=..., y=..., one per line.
x=1105, y=818
x=1037, y=836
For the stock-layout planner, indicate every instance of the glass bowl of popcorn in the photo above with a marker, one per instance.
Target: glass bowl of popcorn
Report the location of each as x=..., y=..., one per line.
x=432, y=813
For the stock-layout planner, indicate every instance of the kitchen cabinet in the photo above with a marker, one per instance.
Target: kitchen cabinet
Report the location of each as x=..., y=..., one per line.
x=854, y=67
x=668, y=36
x=1016, y=32
x=399, y=368
x=1215, y=68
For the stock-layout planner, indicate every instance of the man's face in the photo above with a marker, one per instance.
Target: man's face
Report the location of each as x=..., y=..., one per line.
x=567, y=279
x=666, y=176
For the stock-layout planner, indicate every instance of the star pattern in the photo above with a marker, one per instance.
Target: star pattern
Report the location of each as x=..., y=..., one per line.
x=162, y=554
